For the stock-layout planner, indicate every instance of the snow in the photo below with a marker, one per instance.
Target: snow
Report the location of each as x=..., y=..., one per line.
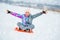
x=47, y=26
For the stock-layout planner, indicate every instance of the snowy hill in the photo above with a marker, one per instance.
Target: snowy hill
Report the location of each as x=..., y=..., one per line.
x=47, y=26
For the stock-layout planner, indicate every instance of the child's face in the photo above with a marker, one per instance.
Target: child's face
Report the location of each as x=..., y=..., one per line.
x=27, y=14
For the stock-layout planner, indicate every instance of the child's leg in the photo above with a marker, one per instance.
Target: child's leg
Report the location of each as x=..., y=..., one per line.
x=31, y=26
x=21, y=26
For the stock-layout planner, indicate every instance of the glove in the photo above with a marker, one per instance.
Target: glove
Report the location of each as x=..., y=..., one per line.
x=44, y=12
x=8, y=11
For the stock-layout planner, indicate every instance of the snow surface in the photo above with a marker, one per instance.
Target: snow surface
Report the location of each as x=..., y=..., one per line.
x=47, y=26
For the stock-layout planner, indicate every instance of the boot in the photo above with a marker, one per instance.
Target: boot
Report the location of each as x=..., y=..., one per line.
x=20, y=29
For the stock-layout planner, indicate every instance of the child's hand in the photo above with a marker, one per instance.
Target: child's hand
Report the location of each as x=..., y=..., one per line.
x=45, y=9
x=44, y=12
x=8, y=11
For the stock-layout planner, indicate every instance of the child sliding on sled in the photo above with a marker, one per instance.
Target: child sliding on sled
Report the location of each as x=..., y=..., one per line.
x=27, y=18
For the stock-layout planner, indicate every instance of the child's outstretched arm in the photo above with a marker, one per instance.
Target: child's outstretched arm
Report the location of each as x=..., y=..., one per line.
x=14, y=14
x=38, y=14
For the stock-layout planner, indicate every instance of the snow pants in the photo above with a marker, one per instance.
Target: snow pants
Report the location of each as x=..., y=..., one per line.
x=25, y=27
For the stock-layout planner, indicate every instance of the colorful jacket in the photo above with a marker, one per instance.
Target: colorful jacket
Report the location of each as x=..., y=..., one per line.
x=26, y=20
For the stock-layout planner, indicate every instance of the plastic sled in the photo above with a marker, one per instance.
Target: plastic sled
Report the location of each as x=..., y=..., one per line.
x=17, y=29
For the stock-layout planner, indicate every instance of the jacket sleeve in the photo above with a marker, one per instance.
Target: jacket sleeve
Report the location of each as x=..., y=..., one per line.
x=36, y=15
x=16, y=15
